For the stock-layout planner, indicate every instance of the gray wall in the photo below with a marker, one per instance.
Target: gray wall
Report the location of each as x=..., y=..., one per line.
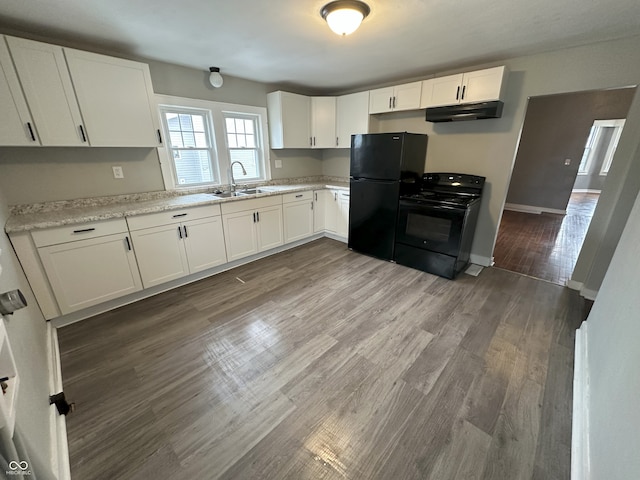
x=556, y=127
x=613, y=355
x=592, y=180
x=28, y=336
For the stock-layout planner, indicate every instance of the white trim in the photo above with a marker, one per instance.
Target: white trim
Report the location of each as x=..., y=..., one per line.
x=58, y=423
x=585, y=190
x=580, y=466
x=532, y=209
x=584, y=292
x=613, y=142
x=481, y=260
x=573, y=285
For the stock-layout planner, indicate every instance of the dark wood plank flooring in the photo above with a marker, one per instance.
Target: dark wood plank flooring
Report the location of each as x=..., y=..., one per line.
x=545, y=246
x=327, y=364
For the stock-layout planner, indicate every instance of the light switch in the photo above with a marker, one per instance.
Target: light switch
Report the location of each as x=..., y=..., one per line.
x=278, y=163
x=117, y=172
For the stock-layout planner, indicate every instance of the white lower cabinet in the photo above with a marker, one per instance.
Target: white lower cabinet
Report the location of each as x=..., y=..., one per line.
x=252, y=226
x=336, y=215
x=86, y=272
x=298, y=216
x=342, y=223
x=177, y=248
x=320, y=200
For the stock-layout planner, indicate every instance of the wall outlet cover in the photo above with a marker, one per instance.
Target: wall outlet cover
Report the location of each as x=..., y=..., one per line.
x=117, y=172
x=278, y=163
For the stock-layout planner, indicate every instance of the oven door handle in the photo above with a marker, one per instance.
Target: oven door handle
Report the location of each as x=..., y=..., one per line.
x=431, y=206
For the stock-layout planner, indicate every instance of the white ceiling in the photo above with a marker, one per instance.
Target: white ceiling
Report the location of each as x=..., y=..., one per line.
x=286, y=41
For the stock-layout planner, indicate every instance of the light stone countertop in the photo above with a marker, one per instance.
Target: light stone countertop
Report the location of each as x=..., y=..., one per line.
x=26, y=219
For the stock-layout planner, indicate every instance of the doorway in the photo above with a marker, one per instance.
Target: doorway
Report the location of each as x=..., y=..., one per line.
x=548, y=210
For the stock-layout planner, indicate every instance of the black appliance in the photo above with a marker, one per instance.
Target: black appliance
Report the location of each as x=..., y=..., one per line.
x=468, y=111
x=436, y=225
x=383, y=167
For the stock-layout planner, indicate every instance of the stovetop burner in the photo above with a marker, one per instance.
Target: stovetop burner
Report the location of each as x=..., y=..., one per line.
x=449, y=189
x=444, y=198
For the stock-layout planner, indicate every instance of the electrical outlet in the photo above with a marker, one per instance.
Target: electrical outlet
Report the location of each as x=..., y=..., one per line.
x=278, y=163
x=567, y=161
x=117, y=172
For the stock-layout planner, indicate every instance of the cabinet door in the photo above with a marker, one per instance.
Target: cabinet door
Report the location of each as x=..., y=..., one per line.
x=352, y=117
x=381, y=100
x=16, y=120
x=161, y=254
x=204, y=241
x=89, y=272
x=46, y=83
x=320, y=199
x=289, y=120
x=115, y=98
x=240, y=235
x=331, y=212
x=407, y=96
x=298, y=220
x=269, y=228
x=323, y=122
x=445, y=91
x=342, y=223
x=482, y=85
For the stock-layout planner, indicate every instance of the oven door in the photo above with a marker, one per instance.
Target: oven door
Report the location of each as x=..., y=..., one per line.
x=429, y=226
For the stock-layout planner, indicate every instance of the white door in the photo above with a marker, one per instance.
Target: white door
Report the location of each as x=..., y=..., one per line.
x=204, y=241
x=446, y=90
x=332, y=211
x=352, y=117
x=89, y=272
x=240, y=235
x=161, y=254
x=381, y=100
x=269, y=228
x=298, y=220
x=323, y=122
x=407, y=96
x=320, y=199
x=16, y=120
x=114, y=97
x=46, y=83
x=482, y=85
x=342, y=227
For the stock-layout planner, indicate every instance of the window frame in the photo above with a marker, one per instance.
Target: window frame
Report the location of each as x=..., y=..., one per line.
x=222, y=161
x=258, y=134
x=618, y=124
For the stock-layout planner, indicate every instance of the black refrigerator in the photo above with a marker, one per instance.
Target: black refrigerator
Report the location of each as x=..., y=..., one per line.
x=383, y=166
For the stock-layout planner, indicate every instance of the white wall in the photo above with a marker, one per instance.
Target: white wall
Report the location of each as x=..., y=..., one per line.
x=613, y=346
x=27, y=333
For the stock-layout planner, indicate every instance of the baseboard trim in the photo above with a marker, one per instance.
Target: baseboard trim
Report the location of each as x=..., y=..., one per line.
x=480, y=260
x=584, y=292
x=580, y=469
x=532, y=209
x=58, y=423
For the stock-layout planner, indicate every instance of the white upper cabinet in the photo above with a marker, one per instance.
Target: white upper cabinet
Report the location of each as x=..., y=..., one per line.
x=471, y=87
x=323, y=122
x=289, y=120
x=352, y=117
x=397, y=98
x=47, y=86
x=115, y=98
x=16, y=127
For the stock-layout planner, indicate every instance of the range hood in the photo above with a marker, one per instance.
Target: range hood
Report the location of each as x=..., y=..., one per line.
x=468, y=111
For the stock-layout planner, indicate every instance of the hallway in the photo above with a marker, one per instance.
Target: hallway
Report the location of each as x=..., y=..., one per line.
x=545, y=246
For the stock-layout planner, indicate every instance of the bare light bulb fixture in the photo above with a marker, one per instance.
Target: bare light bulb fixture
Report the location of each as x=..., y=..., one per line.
x=345, y=16
x=215, y=79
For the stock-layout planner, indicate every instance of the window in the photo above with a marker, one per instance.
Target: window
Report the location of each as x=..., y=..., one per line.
x=242, y=145
x=204, y=138
x=585, y=163
x=190, y=145
x=617, y=126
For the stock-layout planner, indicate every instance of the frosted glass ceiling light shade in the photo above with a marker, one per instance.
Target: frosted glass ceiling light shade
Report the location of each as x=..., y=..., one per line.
x=215, y=79
x=345, y=16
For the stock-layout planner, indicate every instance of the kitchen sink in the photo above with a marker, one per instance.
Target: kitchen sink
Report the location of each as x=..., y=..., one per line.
x=229, y=194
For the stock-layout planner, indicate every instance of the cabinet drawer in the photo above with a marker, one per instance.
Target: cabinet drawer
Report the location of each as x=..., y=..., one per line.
x=297, y=196
x=149, y=220
x=79, y=231
x=251, y=204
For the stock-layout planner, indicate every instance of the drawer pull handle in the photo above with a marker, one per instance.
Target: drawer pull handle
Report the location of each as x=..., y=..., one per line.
x=84, y=230
x=180, y=215
x=128, y=243
x=299, y=196
x=180, y=232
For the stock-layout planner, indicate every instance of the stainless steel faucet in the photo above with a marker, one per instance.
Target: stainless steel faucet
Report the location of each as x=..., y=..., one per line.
x=232, y=181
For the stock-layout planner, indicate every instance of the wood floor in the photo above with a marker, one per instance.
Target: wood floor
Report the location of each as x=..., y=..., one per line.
x=326, y=364
x=545, y=246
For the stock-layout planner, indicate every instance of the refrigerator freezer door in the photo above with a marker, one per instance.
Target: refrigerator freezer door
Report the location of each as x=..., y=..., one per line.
x=372, y=217
x=376, y=156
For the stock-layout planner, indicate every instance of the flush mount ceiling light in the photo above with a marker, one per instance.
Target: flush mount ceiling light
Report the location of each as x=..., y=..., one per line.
x=345, y=16
x=215, y=79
